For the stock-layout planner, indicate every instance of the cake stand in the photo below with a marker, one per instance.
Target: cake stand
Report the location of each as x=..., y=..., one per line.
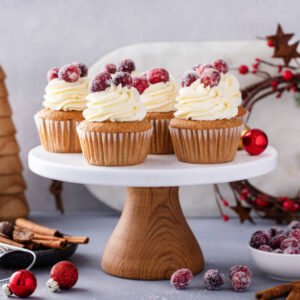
x=152, y=238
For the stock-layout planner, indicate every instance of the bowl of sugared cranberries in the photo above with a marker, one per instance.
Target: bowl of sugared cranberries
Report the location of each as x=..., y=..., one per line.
x=276, y=251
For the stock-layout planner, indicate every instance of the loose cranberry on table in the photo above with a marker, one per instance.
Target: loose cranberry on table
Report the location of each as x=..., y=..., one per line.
x=110, y=68
x=52, y=73
x=200, y=68
x=210, y=77
x=188, y=78
x=122, y=78
x=69, y=73
x=157, y=75
x=140, y=83
x=239, y=268
x=101, y=82
x=240, y=281
x=83, y=69
x=213, y=279
x=126, y=65
x=181, y=279
x=221, y=65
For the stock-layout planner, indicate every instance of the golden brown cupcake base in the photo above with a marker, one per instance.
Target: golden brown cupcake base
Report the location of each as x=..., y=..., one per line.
x=115, y=143
x=57, y=130
x=242, y=114
x=161, y=142
x=205, y=142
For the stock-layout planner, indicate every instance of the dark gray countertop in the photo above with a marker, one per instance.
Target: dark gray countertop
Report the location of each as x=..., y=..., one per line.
x=223, y=245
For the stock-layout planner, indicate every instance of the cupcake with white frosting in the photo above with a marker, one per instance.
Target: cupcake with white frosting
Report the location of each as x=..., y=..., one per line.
x=158, y=93
x=115, y=131
x=208, y=118
x=64, y=102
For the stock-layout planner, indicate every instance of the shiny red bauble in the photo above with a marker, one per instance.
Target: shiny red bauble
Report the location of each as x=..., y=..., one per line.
x=255, y=141
x=243, y=69
x=287, y=75
x=22, y=283
x=65, y=274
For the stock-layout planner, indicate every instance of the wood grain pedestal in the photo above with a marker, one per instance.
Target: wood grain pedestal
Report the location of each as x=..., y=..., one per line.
x=152, y=238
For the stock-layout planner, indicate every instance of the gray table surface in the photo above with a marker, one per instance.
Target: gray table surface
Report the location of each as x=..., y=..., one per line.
x=223, y=245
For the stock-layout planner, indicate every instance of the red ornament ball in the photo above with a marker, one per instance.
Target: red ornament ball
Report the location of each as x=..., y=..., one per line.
x=64, y=274
x=287, y=75
x=22, y=283
x=270, y=43
x=243, y=69
x=255, y=141
x=289, y=205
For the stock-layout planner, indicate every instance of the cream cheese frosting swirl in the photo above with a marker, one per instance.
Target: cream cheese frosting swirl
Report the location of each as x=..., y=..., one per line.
x=66, y=96
x=115, y=104
x=197, y=102
x=160, y=97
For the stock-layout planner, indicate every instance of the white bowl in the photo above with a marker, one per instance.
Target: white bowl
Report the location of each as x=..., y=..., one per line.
x=284, y=267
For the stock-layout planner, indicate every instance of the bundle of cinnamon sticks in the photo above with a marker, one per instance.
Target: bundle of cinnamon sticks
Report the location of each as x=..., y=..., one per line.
x=26, y=234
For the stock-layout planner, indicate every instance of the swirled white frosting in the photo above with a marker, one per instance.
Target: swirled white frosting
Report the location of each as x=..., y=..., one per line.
x=160, y=97
x=197, y=102
x=62, y=95
x=115, y=104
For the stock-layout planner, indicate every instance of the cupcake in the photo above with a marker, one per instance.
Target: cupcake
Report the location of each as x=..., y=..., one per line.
x=115, y=131
x=158, y=93
x=208, y=119
x=64, y=102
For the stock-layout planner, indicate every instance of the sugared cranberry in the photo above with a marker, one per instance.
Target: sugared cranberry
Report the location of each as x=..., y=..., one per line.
x=110, y=68
x=213, y=280
x=239, y=268
x=157, y=75
x=188, y=78
x=203, y=67
x=140, y=83
x=83, y=69
x=181, y=279
x=210, y=77
x=294, y=224
x=240, y=281
x=273, y=231
x=105, y=77
x=122, y=78
x=277, y=240
x=69, y=73
x=221, y=65
x=126, y=65
x=52, y=73
x=259, y=238
x=291, y=250
x=287, y=75
x=265, y=248
x=243, y=69
x=289, y=242
x=101, y=82
x=278, y=251
x=195, y=67
x=295, y=233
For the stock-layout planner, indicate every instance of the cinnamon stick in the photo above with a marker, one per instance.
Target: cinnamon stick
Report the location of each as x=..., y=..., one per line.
x=50, y=244
x=77, y=239
x=276, y=291
x=10, y=242
x=36, y=228
x=39, y=236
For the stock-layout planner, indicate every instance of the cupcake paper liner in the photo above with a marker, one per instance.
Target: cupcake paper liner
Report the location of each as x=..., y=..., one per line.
x=58, y=136
x=161, y=142
x=115, y=149
x=206, y=146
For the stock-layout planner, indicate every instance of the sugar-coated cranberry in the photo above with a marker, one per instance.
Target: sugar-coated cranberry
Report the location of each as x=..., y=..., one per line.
x=291, y=250
x=200, y=69
x=157, y=75
x=273, y=231
x=195, y=67
x=240, y=281
x=265, y=248
x=294, y=224
x=105, y=77
x=52, y=73
x=210, y=77
x=110, y=68
x=239, y=268
x=295, y=233
x=221, y=65
x=181, y=279
x=140, y=83
x=188, y=78
x=126, y=65
x=278, y=251
x=101, y=82
x=69, y=73
x=243, y=69
x=122, y=78
x=289, y=242
x=259, y=238
x=83, y=69
x=213, y=280
x=277, y=240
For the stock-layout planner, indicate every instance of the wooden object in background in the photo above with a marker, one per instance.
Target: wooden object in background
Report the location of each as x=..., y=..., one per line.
x=152, y=238
x=12, y=186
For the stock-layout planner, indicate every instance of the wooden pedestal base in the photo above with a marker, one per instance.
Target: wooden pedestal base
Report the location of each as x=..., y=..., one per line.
x=152, y=238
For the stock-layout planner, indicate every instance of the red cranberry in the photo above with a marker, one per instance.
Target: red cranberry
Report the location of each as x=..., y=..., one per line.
x=277, y=240
x=265, y=248
x=52, y=73
x=157, y=75
x=126, y=65
x=101, y=82
x=210, y=77
x=181, y=279
x=259, y=238
x=295, y=233
x=69, y=73
x=273, y=231
x=195, y=67
x=140, y=83
x=294, y=224
x=122, y=78
x=240, y=281
x=289, y=242
x=83, y=69
x=239, y=268
x=203, y=67
x=188, y=78
x=287, y=75
x=221, y=65
x=214, y=280
x=243, y=69
x=110, y=68
x=291, y=250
